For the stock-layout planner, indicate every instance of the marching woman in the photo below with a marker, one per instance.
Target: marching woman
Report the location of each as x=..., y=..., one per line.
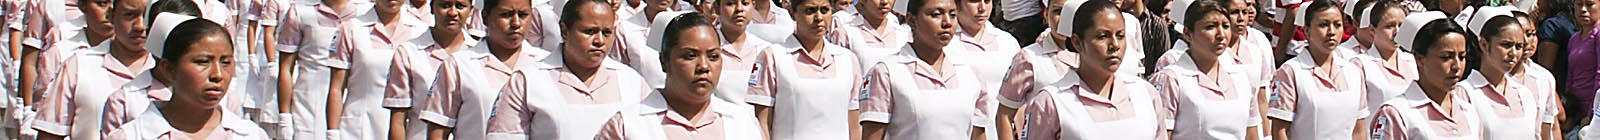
x=369, y=44
x=807, y=88
x=927, y=90
x=1094, y=101
x=875, y=33
x=75, y=98
x=412, y=72
x=1537, y=79
x=1509, y=110
x=1319, y=95
x=196, y=61
x=1431, y=108
x=121, y=107
x=633, y=39
x=741, y=46
x=1035, y=67
x=1199, y=99
x=309, y=56
x=685, y=110
x=1383, y=62
x=468, y=85
x=578, y=93
x=989, y=45
x=772, y=19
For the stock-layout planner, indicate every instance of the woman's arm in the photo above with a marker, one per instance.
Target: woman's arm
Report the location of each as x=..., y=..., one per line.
x=873, y=130
x=1280, y=129
x=397, y=123
x=336, y=97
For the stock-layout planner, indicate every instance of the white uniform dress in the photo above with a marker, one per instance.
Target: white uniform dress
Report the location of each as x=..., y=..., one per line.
x=810, y=97
x=901, y=94
x=1318, y=112
x=372, y=53
x=1510, y=115
x=309, y=33
x=1198, y=107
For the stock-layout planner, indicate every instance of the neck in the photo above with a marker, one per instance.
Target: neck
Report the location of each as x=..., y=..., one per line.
x=93, y=38
x=584, y=73
x=449, y=41
x=734, y=36
x=1207, y=65
x=127, y=56
x=689, y=108
x=975, y=29
x=811, y=44
x=1496, y=79
x=933, y=55
x=388, y=17
x=503, y=53
x=191, y=118
x=1101, y=83
x=1326, y=59
x=876, y=23
x=1439, y=96
x=337, y=5
x=1520, y=69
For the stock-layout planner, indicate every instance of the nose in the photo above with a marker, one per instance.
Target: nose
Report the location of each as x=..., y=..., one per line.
x=215, y=73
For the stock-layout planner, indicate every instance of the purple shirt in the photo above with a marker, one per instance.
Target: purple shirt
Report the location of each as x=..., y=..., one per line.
x=1583, y=68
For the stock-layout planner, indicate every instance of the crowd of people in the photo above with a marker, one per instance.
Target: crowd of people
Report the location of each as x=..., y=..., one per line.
x=799, y=69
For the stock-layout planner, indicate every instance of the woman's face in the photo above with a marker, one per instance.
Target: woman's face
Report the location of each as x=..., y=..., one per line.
x=1052, y=13
x=450, y=15
x=656, y=6
x=1444, y=63
x=975, y=12
x=874, y=9
x=1383, y=30
x=1323, y=30
x=1529, y=33
x=94, y=12
x=696, y=62
x=1210, y=36
x=588, y=39
x=1236, y=12
x=1102, y=44
x=935, y=22
x=508, y=22
x=1582, y=10
x=201, y=76
x=734, y=14
x=128, y=19
x=1503, y=51
x=387, y=6
x=812, y=18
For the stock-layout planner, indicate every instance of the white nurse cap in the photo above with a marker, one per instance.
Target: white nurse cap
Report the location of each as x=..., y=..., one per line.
x=1068, y=12
x=160, y=29
x=1483, y=16
x=1413, y=25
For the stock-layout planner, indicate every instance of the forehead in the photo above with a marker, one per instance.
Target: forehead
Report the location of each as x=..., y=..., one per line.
x=451, y=1
x=514, y=5
x=697, y=39
x=595, y=12
x=129, y=4
x=211, y=44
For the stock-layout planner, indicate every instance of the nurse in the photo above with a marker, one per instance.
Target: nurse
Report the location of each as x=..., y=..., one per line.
x=1430, y=108
x=370, y=44
x=1035, y=67
x=1385, y=64
x=1198, y=97
x=741, y=46
x=467, y=86
x=875, y=33
x=989, y=45
x=807, y=88
x=773, y=20
x=1538, y=79
x=578, y=93
x=1509, y=110
x=310, y=56
x=73, y=108
x=122, y=107
x=1319, y=95
x=199, y=52
x=417, y=65
x=632, y=45
x=1095, y=101
x=685, y=110
x=926, y=90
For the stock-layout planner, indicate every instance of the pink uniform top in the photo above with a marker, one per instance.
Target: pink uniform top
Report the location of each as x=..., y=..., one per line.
x=1070, y=110
x=151, y=125
x=904, y=91
x=518, y=118
x=775, y=24
x=53, y=59
x=993, y=49
x=1509, y=112
x=93, y=70
x=130, y=100
x=265, y=12
x=1323, y=102
x=739, y=67
x=216, y=11
x=765, y=85
x=414, y=69
x=894, y=35
x=1382, y=76
x=310, y=30
x=464, y=93
x=653, y=119
x=1024, y=80
x=1196, y=106
x=1542, y=84
x=1255, y=52
x=1414, y=116
x=811, y=96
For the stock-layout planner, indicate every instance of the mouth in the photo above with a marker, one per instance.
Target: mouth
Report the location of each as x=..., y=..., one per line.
x=596, y=52
x=213, y=93
x=702, y=82
x=740, y=19
x=1114, y=60
x=946, y=35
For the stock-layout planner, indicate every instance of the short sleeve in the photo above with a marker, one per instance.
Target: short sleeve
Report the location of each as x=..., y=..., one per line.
x=510, y=119
x=349, y=37
x=980, y=117
x=56, y=111
x=397, y=91
x=116, y=114
x=858, y=86
x=877, y=102
x=1167, y=97
x=268, y=12
x=1044, y=122
x=445, y=100
x=1281, y=102
x=762, y=82
x=1551, y=109
x=1387, y=125
x=1018, y=83
x=289, y=34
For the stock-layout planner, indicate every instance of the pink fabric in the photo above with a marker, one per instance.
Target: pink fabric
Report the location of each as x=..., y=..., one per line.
x=880, y=100
x=291, y=35
x=1219, y=89
x=403, y=72
x=446, y=98
x=116, y=109
x=1507, y=105
x=1288, y=92
x=1541, y=82
x=890, y=36
x=809, y=68
x=1043, y=119
x=1390, y=123
x=58, y=109
x=707, y=125
x=1019, y=84
x=513, y=114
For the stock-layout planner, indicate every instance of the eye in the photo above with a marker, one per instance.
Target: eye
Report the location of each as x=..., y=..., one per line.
x=714, y=56
x=689, y=55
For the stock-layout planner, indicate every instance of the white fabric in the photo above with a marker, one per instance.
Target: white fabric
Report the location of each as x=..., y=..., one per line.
x=1077, y=123
x=1412, y=25
x=151, y=125
x=91, y=99
x=1323, y=115
x=1379, y=88
x=1018, y=9
x=1201, y=116
x=364, y=116
x=555, y=119
x=645, y=122
x=921, y=115
x=1417, y=126
x=477, y=94
x=1044, y=70
x=812, y=109
x=1498, y=125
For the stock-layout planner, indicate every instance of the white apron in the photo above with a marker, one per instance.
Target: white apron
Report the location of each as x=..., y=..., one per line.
x=1379, y=88
x=933, y=114
x=477, y=93
x=1199, y=117
x=733, y=85
x=91, y=99
x=870, y=55
x=311, y=87
x=555, y=119
x=812, y=109
x=364, y=116
x=644, y=120
x=1076, y=122
x=1521, y=125
x=1045, y=71
x=1325, y=115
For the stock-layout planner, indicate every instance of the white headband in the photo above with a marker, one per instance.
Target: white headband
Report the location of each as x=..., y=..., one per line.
x=1350, y=7
x=1483, y=16
x=1366, y=16
x=658, y=27
x=1180, y=9
x=1300, y=13
x=1413, y=25
x=1068, y=12
x=159, y=29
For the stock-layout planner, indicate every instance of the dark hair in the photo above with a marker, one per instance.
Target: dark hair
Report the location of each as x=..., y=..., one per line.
x=1520, y=15
x=1319, y=6
x=1432, y=33
x=1200, y=9
x=1492, y=28
x=914, y=5
x=1084, y=17
x=686, y=21
x=1157, y=7
x=1558, y=8
x=1360, y=4
x=569, y=11
x=182, y=7
x=182, y=37
x=1383, y=6
x=793, y=3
